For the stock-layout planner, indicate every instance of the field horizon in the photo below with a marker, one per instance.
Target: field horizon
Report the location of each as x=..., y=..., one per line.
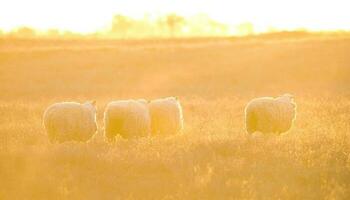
x=213, y=158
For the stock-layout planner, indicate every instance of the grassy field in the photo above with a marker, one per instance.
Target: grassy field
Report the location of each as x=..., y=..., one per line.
x=213, y=158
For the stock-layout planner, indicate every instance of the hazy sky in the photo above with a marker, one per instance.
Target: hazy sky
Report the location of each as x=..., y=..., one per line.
x=89, y=15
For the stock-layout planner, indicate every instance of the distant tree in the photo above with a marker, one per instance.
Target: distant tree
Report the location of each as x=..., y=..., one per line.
x=272, y=29
x=121, y=25
x=53, y=33
x=174, y=23
x=72, y=35
x=25, y=32
x=245, y=28
x=202, y=25
x=217, y=28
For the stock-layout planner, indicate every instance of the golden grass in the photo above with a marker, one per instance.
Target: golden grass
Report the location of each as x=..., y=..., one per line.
x=213, y=158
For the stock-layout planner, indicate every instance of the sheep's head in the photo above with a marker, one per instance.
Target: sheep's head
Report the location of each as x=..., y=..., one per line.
x=174, y=98
x=286, y=98
x=143, y=101
x=91, y=105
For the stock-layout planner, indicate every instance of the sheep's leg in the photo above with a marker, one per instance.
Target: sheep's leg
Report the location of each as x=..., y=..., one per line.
x=251, y=123
x=109, y=132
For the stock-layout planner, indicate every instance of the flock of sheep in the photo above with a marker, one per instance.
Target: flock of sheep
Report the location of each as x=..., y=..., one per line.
x=71, y=121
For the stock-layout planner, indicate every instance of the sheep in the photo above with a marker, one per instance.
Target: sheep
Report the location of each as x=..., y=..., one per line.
x=270, y=115
x=70, y=121
x=127, y=118
x=166, y=116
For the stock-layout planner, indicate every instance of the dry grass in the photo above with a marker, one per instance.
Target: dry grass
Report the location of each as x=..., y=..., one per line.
x=213, y=159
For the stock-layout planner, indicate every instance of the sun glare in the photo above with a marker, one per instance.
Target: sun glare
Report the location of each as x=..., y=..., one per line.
x=91, y=16
x=174, y=99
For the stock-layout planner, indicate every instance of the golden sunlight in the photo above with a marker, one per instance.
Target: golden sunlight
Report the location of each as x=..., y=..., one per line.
x=174, y=99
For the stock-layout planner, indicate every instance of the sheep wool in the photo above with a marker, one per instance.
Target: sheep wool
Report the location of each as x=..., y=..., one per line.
x=127, y=118
x=70, y=121
x=166, y=116
x=270, y=115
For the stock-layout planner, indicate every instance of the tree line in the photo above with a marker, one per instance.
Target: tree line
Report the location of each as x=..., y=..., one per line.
x=121, y=26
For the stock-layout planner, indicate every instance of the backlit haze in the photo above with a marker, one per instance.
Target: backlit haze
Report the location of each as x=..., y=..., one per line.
x=96, y=15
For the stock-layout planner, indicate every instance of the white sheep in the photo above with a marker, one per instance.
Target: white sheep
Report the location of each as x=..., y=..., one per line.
x=127, y=118
x=270, y=115
x=166, y=116
x=70, y=121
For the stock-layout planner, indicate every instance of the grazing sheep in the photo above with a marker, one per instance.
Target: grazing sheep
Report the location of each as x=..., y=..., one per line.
x=166, y=116
x=70, y=121
x=270, y=115
x=128, y=118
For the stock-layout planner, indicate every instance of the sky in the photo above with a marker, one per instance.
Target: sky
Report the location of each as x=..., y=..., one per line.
x=86, y=16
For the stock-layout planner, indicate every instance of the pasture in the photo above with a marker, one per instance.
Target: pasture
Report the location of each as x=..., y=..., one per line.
x=213, y=158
